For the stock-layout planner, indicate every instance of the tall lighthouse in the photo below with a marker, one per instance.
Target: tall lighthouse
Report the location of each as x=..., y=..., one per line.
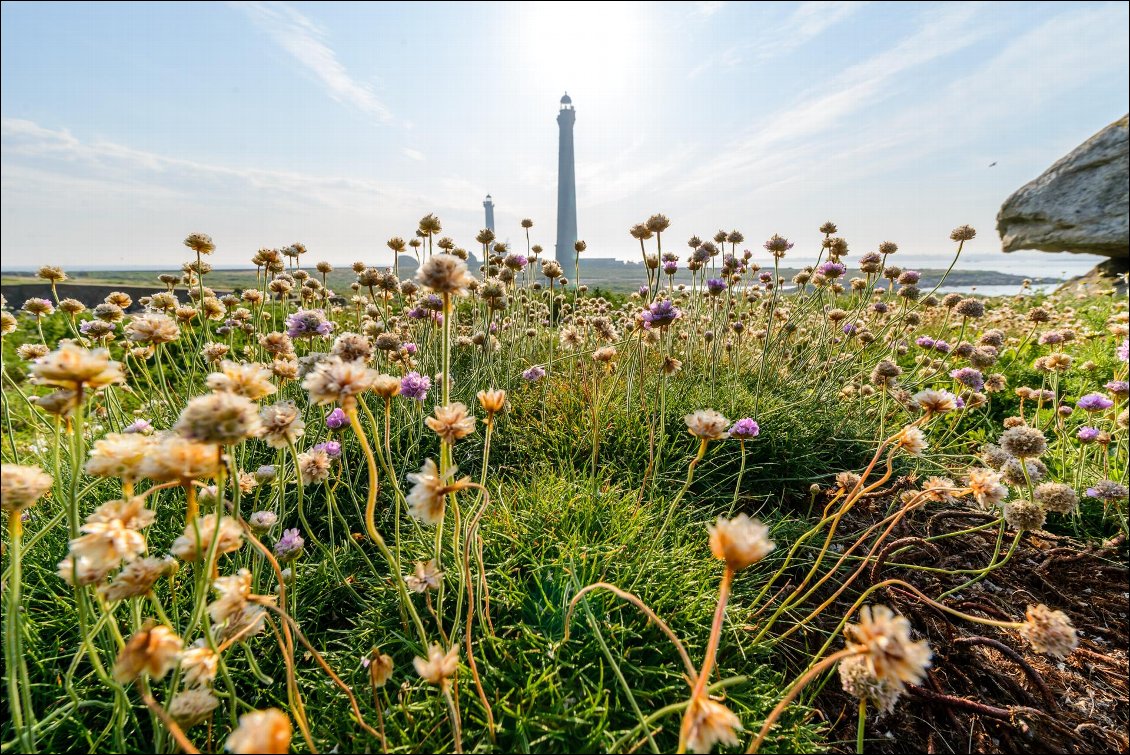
x=488, y=205
x=566, y=185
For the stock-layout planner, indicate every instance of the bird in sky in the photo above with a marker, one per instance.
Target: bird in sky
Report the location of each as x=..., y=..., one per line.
x=994, y=162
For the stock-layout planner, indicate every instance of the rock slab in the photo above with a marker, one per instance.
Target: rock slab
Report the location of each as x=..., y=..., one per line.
x=1080, y=204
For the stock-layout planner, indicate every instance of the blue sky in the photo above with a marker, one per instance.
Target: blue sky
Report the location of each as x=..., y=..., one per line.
x=127, y=126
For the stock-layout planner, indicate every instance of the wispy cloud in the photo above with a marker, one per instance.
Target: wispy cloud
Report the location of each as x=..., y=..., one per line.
x=707, y=8
x=305, y=41
x=412, y=154
x=808, y=21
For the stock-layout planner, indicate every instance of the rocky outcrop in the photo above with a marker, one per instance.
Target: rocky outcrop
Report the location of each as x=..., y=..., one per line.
x=1080, y=204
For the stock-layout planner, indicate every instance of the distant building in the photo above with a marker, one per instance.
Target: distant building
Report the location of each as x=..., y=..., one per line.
x=566, y=186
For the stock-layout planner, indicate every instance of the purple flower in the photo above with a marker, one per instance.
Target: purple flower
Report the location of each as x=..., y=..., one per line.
x=777, y=245
x=644, y=291
x=745, y=429
x=849, y=328
x=1118, y=387
x=85, y=327
x=336, y=419
x=660, y=313
x=765, y=277
x=289, y=546
x=433, y=302
x=139, y=426
x=534, y=374
x=1087, y=434
x=670, y=267
x=715, y=286
x=331, y=447
x=410, y=348
x=307, y=323
x=910, y=277
x=414, y=385
x=1108, y=491
x=925, y=342
x=969, y=377
x=417, y=313
x=1123, y=351
x=959, y=402
x=832, y=269
x=1094, y=402
x=941, y=346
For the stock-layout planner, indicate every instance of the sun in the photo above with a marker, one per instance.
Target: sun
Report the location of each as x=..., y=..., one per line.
x=582, y=47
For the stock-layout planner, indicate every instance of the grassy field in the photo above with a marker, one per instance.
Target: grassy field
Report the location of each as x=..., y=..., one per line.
x=868, y=431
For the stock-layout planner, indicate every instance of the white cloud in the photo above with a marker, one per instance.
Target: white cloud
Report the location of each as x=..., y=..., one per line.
x=412, y=154
x=707, y=8
x=304, y=40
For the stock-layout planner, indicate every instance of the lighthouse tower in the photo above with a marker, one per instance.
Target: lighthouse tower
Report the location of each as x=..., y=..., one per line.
x=488, y=205
x=566, y=185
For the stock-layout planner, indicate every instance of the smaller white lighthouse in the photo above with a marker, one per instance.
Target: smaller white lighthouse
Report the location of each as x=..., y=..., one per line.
x=488, y=205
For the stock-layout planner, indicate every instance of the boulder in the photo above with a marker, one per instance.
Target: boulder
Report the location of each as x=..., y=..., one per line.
x=1080, y=204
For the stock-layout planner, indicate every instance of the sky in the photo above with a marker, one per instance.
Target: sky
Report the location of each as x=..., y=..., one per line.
x=126, y=127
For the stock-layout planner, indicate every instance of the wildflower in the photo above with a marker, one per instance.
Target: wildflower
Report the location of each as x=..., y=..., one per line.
x=740, y=541
x=426, y=576
x=777, y=246
x=152, y=651
x=231, y=538
x=438, y=667
x=336, y=380
x=670, y=365
x=142, y=426
x=174, y=458
x=193, y=706
x=252, y=381
x=605, y=355
x=1049, y=631
x=451, y=422
x=708, y=723
x=119, y=455
x=1087, y=434
x=289, y=546
x=314, y=466
x=1024, y=515
x=380, y=668
x=336, y=419
x=883, y=637
x=534, y=374
x=1094, y=402
x=939, y=489
x=986, y=487
x=1056, y=497
x=1108, y=491
x=707, y=424
x=137, y=578
x=415, y=386
x=858, y=680
x=198, y=665
x=963, y=233
x=308, y=323
x=912, y=440
x=445, y=274
x=281, y=424
x=1023, y=442
x=75, y=368
x=201, y=243
x=331, y=447
x=426, y=500
x=745, y=429
x=969, y=377
x=1118, y=387
x=352, y=347
x=262, y=731
x=660, y=314
x=935, y=402
x=152, y=328
x=262, y=521
x=221, y=418
x=492, y=402
x=21, y=486
x=39, y=307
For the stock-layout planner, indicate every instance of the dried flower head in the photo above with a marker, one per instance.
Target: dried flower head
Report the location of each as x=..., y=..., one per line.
x=120, y=455
x=192, y=546
x=262, y=731
x=439, y=666
x=221, y=418
x=334, y=379
x=709, y=723
x=445, y=274
x=75, y=368
x=193, y=706
x=174, y=458
x=451, y=422
x=21, y=486
x=425, y=576
x=707, y=424
x=740, y=541
x=426, y=500
x=252, y=381
x=1049, y=631
x=151, y=651
x=883, y=638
